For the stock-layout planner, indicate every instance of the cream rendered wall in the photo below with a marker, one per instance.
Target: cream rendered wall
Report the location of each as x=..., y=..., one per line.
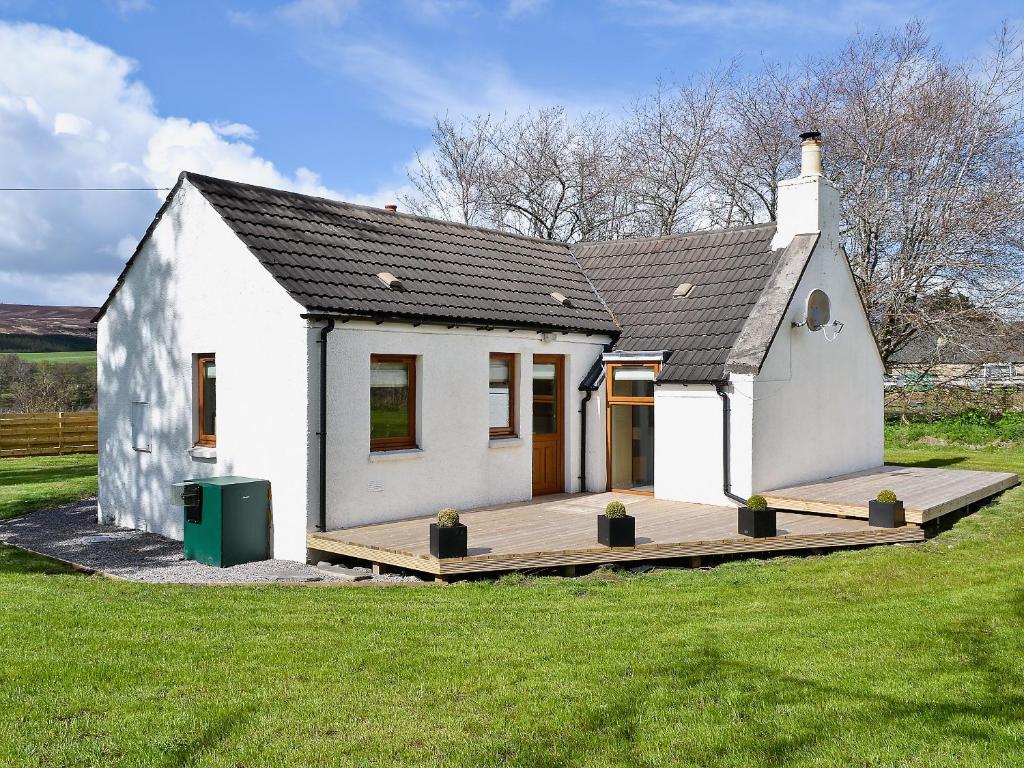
x=688, y=441
x=456, y=463
x=195, y=288
x=818, y=409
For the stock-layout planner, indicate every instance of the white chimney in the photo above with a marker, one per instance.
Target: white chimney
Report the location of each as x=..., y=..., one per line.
x=810, y=202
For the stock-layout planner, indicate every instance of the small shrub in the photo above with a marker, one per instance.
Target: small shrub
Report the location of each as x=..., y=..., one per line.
x=447, y=518
x=615, y=509
x=887, y=496
x=757, y=503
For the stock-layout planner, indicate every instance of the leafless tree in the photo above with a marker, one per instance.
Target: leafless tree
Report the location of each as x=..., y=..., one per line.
x=667, y=149
x=929, y=159
x=450, y=181
x=928, y=156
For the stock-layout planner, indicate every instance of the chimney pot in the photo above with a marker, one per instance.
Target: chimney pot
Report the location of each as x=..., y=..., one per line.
x=391, y=207
x=810, y=154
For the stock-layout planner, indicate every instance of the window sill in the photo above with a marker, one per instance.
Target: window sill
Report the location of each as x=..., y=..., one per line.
x=504, y=442
x=399, y=454
x=202, y=452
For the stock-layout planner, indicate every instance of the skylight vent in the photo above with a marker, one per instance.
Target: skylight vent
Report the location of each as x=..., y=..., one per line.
x=390, y=281
x=682, y=291
x=560, y=298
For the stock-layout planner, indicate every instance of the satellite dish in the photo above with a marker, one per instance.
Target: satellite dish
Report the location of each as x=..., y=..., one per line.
x=818, y=313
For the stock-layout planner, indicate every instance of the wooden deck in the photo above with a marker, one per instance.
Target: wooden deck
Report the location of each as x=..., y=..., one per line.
x=562, y=531
x=926, y=493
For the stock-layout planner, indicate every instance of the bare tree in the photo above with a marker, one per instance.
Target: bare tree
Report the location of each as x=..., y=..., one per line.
x=667, y=148
x=450, y=181
x=929, y=160
x=928, y=156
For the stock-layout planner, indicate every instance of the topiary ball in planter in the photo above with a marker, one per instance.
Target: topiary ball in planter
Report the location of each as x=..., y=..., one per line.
x=448, y=537
x=886, y=511
x=615, y=528
x=756, y=519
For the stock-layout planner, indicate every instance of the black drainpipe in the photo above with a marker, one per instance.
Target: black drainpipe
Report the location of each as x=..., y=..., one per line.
x=583, y=440
x=726, y=451
x=323, y=423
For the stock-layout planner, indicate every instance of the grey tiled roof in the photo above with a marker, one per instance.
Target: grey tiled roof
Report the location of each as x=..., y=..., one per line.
x=728, y=270
x=327, y=255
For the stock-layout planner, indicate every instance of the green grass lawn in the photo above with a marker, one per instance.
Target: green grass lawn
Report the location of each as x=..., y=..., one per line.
x=45, y=481
x=87, y=357
x=892, y=656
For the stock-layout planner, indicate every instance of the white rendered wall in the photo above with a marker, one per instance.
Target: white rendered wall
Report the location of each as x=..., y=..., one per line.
x=457, y=464
x=688, y=441
x=195, y=288
x=818, y=409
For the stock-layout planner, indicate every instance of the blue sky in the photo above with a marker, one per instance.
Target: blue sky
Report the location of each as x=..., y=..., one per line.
x=333, y=96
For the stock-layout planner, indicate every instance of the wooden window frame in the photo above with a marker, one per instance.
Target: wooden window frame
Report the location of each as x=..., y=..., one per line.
x=513, y=394
x=610, y=381
x=207, y=441
x=405, y=441
x=611, y=400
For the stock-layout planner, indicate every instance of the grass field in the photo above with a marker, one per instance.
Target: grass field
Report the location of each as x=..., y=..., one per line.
x=893, y=656
x=45, y=481
x=86, y=357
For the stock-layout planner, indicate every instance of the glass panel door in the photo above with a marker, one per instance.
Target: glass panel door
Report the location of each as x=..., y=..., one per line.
x=631, y=426
x=632, y=447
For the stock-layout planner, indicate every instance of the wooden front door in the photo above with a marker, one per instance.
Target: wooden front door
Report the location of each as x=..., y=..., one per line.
x=548, y=425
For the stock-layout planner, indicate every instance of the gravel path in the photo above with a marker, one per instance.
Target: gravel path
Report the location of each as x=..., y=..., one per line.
x=71, y=533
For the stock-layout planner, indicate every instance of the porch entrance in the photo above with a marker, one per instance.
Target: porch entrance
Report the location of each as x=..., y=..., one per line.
x=548, y=425
x=631, y=427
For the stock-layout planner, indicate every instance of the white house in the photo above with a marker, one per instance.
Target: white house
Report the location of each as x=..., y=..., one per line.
x=375, y=366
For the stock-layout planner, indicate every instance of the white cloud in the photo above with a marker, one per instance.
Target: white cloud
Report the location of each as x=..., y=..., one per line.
x=127, y=7
x=522, y=7
x=839, y=17
x=329, y=12
x=413, y=91
x=72, y=114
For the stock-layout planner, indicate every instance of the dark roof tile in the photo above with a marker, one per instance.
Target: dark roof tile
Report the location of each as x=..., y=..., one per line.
x=728, y=270
x=327, y=254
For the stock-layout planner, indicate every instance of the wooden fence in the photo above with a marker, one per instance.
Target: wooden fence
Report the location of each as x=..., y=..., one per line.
x=47, y=434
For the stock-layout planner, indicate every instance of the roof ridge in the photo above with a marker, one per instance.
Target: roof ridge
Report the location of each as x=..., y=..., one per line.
x=381, y=211
x=675, y=236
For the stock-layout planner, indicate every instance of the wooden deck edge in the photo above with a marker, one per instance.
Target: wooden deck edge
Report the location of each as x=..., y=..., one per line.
x=916, y=516
x=598, y=555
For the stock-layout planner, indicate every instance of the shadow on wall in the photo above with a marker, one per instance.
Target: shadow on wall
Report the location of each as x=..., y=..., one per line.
x=143, y=360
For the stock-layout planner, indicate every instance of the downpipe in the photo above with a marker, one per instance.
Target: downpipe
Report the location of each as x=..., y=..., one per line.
x=583, y=440
x=322, y=523
x=726, y=447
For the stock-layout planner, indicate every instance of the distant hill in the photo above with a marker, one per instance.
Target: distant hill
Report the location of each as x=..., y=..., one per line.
x=33, y=328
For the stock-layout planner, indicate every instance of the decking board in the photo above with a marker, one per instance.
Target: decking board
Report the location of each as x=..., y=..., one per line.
x=926, y=492
x=563, y=531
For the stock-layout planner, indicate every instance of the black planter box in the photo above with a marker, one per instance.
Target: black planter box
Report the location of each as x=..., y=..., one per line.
x=883, y=514
x=757, y=523
x=616, y=531
x=448, y=542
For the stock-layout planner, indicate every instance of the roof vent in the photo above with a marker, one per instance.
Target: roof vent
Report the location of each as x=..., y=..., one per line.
x=682, y=291
x=390, y=281
x=560, y=298
x=391, y=207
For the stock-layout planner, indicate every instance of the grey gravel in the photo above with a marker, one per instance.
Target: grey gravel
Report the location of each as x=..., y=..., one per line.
x=71, y=533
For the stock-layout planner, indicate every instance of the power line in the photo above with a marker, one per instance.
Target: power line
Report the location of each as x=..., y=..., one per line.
x=84, y=189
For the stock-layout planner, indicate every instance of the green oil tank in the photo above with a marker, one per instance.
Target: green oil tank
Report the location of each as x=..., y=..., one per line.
x=227, y=520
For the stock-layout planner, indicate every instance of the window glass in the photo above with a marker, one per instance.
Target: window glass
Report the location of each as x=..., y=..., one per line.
x=545, y=411
x=209, y=385
x=390, y=398
x=499, y=393
x=632, y=381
